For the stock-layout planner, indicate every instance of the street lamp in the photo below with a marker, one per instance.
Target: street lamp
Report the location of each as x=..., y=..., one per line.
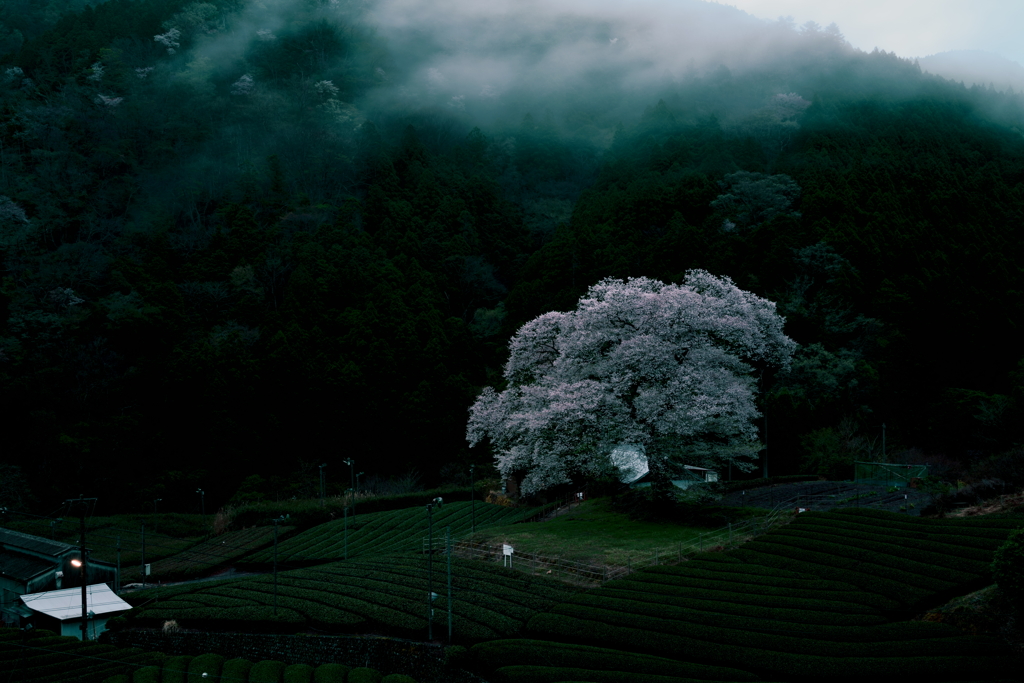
x=352, y=473
x=322, y=484
x=202, y=501
x=346, y=523
x=276, y=520
x=436, y=503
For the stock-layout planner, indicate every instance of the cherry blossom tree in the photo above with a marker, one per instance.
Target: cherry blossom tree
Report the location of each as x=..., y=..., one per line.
x=663, y=369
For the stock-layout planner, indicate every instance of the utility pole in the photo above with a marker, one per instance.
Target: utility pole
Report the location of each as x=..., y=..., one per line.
x=143, y=555
x=448, y=549
x=276, y=520
x=472, y=494
x=202, y=501
x=117, y=577
x=84, y=505
x=346, y=527
x=430, y=565
x=352, y=484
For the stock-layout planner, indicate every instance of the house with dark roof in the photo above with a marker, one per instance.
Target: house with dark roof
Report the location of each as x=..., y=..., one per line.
x=32, y=564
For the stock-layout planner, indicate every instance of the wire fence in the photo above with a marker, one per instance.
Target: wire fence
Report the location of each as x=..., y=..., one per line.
x=591, y=574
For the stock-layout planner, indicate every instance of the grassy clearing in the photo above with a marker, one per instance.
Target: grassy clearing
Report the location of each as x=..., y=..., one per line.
x=596, y=534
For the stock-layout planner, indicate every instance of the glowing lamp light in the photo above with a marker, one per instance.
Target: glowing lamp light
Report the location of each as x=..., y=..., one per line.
x=76, y=563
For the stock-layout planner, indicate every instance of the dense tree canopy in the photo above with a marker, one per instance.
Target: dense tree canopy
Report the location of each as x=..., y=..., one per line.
x=232, y=229
x=639, y=364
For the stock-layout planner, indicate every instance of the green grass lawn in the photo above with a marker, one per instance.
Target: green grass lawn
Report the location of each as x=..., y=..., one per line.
x=595, y=533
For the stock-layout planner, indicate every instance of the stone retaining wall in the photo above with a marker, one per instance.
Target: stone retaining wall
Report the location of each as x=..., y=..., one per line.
x=422, y=661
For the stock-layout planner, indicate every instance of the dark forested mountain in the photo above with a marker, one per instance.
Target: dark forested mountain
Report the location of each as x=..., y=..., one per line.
x=241, y=236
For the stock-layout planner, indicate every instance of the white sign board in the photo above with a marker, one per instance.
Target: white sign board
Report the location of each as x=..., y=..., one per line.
x=506, y=548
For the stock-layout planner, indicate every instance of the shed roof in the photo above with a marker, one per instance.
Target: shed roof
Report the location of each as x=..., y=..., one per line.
x=22, y=567
x=67, y=603
x=36, y=544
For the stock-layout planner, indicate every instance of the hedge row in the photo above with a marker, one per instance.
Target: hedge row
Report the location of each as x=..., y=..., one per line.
x=773, y=623
x=802, y=641
x=867, y=576
x=912, y=572
x=939, y=556
x=896, y=519
x=750, y=574
x=307, y=513
x=860, y=603
x=384, y=532
x=749, y=484
x=203, y=557
x=550, y=674
x=42, y=657
x=503, y=653
x=772, y=663
x=824, y=613
x=963, y=545
x=386, y=594
x=703, y=580
x=185, y=669
x=966, y=543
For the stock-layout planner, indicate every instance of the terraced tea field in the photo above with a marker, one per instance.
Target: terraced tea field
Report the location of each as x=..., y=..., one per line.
x=385, y=532
x=203, y=557
x=818, y=599
x=382, y=594
x=45, y=658
x=58, y=659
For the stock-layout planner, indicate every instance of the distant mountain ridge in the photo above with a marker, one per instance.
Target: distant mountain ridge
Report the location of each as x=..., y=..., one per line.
x=976, y=67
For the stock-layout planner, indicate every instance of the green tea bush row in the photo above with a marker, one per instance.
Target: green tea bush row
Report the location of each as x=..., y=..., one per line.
x=513, y=603
x=388, y=593
x=957, y=558
x=549, y=674
x=185, y=669
x=205, y=556
x=767, y=576
x=868, y=605
x=837, y=555
x=656, y=581
x=210, y=664
x=894, y=518
x=399, y=530
x=975, y=546
x=175, y=669
x=740, y=586
x=501, y=653
x=792, y=640
x=955, y=567
x=749, y=484
x=868, y=577
x=826, y=613
x=913, y=571
x=764, y=624
x=298, y=673
x=769, y=663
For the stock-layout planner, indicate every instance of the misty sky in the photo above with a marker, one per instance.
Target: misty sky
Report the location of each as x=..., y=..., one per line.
x=910, y=28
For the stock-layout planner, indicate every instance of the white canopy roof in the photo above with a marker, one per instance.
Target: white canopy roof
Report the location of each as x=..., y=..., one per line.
x=631, y=461
x=67, y=603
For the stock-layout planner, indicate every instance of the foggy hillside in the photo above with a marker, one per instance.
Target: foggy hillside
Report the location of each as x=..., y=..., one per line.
x=976, y=67
x=241, y=236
